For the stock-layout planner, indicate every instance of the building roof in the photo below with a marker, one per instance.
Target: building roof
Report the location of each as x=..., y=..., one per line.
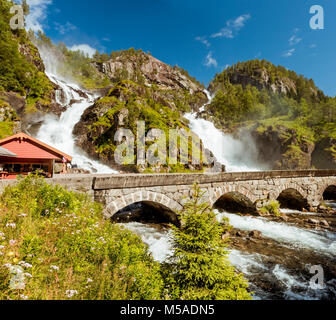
x=27, y=147
x=6, y=153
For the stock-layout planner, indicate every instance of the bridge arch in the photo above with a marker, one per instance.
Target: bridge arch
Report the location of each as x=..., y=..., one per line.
x=293, y=197
x=155, y=200
x=329, y=192
x=235, y=200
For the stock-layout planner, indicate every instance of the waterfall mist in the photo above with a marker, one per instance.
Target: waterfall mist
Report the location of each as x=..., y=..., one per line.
x=236, y=154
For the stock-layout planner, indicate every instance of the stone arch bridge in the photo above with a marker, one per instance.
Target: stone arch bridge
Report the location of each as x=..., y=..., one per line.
x=169, y=191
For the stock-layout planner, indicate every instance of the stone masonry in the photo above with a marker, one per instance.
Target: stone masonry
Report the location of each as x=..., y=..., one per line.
x=116, y=192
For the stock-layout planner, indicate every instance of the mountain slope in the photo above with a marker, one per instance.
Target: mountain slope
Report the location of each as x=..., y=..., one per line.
x=288, y=116
x=24, y=87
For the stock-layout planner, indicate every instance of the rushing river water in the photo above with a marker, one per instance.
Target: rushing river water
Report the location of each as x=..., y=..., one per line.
x=283, y=282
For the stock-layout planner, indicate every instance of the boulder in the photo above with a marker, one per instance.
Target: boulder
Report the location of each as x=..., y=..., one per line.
x=255, y=234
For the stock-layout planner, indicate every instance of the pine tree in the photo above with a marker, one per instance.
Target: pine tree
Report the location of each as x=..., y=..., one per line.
x=25, y=7
x=199, y=268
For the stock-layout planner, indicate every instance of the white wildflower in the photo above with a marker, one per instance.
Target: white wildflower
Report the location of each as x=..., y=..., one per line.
x=54, y=268
x=71, y=293
x=25, y=264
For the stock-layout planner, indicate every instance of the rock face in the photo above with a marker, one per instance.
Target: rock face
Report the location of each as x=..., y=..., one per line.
x=32, y=55
x=28, y=118
x=147, y=70
x=324, y=155
x=145, y=89
x=261, y=79
x=125, y=105
x=281, y=147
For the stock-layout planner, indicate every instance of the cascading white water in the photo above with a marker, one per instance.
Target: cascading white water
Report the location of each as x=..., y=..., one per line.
x=159, y=244
x=58, y=132
x=321, y=242
x=290, y=211
x=158, y=240
x=236, y=155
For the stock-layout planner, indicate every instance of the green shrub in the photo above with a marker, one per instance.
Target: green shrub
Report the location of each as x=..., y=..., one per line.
x=199, y=267
x=273, y=208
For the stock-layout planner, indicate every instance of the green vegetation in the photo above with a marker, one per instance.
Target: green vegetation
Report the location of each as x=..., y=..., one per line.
x=67, y=250
x=141, y=103
x=257, y=94
x=7, y=118
x=55, y=244
x=273, y=208
x=19, y=67
x=258, y=90
x=75, y=65
x=199, y=268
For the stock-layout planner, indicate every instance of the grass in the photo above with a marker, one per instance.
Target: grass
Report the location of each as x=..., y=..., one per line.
x=54, y=244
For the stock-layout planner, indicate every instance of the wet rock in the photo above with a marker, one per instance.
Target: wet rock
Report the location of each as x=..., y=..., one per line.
x=313, y=221
x=284, y=218
x=324, y=223
x=255, y=234
x=225, y=236
x=73, y=101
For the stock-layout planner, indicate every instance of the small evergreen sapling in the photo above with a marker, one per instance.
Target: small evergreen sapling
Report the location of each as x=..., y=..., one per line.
x=199, y=268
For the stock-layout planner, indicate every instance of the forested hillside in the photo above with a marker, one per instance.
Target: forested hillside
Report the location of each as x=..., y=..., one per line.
x=23, y=85
x=291, y=120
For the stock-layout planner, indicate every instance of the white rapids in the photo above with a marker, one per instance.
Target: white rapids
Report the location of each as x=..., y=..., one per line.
x=251, y=265
x=282, y=232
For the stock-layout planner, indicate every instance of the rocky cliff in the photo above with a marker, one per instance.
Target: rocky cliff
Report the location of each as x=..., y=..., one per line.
x=143, y=89
x=143, y=68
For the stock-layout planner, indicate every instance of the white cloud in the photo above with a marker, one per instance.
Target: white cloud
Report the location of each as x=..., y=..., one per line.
x=294, y=40
x=84, y=48
x=289, y=53
x=312, y=46
x=210, y=61
x=232, y=27
x=203, y=40
x=64, y=28
x=37, y=14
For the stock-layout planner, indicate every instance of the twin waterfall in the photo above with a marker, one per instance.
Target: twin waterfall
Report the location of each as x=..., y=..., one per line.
x=236, y=155
x=58, y=132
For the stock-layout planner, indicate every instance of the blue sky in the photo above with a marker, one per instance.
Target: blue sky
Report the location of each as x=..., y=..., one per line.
x=202, y=36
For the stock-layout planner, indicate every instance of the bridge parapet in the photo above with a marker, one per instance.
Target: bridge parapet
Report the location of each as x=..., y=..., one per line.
x=172, y=190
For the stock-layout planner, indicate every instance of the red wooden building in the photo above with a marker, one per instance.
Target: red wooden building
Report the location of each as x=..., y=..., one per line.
x=21, y=154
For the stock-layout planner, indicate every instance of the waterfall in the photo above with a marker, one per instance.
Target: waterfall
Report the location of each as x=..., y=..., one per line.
x=58, y=132
x=236, y=155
